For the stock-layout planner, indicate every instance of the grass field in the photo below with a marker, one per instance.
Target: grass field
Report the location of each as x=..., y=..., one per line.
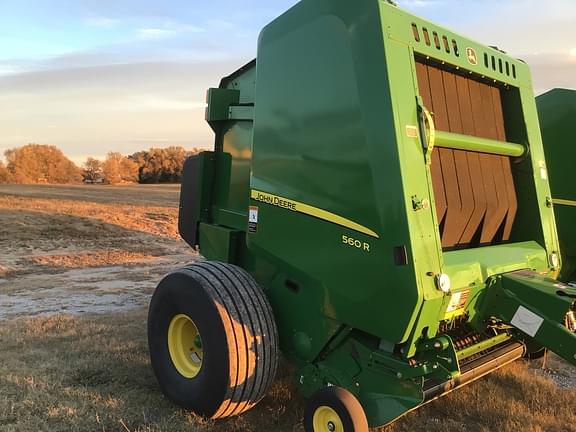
x=77, y=268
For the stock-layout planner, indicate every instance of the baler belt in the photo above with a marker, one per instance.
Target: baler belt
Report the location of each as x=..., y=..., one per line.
x=474, y=192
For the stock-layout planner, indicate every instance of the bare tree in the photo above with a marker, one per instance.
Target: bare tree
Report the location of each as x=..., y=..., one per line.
x=93, y=170
x=119, y=169
x=36, y=163
x=161, y=165
x=4, y=174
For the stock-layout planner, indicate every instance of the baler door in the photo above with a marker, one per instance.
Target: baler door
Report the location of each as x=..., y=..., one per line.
x=475, y=196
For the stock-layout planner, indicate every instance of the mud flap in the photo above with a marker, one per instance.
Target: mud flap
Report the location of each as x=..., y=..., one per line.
x=195, y=194
x=535, y=305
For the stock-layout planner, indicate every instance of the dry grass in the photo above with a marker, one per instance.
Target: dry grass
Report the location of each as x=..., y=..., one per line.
x=91, y=373
x=159, y=221
x=65, y=373
x=91, y=259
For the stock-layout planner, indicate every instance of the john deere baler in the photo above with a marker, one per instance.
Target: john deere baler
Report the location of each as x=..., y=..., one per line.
x=377, y=207
x=557, y=112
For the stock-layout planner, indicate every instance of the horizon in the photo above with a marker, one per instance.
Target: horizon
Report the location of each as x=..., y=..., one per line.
x=97, y=76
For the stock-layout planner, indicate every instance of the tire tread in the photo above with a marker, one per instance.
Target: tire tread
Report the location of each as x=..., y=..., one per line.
x=251, y=328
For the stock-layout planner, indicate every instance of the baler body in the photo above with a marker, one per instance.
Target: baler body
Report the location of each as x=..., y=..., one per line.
x=365, y=158
x=557, y=111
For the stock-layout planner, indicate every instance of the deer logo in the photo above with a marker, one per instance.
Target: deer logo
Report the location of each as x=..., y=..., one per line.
x=472, y=57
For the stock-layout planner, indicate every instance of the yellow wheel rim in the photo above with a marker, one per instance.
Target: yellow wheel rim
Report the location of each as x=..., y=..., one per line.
x=327, y=420
x=185, y=346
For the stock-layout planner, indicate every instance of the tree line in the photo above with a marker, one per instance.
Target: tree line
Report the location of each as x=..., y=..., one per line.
x=38, y=163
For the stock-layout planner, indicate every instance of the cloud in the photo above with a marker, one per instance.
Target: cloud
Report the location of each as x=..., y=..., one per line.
x=102, y=22
x=167, y=30
x=122, y=107
x=551, y=71
x=155, y=33
x=416, y=4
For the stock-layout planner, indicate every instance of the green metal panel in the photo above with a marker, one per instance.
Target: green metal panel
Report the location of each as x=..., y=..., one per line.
x=219, y=243
x=316, y=139
x=557, y=111
x=325, y=148
x=537, y=306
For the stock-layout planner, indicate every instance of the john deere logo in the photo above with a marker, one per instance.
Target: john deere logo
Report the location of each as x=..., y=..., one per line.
x=471, y=55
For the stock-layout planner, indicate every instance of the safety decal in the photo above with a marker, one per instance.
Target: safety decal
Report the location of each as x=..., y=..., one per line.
x=253, y=220
x=527, y=321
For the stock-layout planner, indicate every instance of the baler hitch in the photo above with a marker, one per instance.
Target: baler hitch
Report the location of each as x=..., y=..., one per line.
x=542, y=309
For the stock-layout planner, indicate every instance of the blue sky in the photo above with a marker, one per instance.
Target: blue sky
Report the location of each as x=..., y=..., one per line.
x=93, y=76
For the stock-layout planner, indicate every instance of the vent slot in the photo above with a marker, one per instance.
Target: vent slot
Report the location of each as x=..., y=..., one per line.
x=446, y=44
x=455, y=47
x=415, y=32
x=440, y=41
x=436, y=40
x=498, y=64
x=426, y=36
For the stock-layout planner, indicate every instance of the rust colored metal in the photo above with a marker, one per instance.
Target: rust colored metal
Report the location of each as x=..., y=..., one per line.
x=474, y=192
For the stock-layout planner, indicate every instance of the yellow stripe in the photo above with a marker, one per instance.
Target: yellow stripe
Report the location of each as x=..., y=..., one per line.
x=299, y=207
x=564, y=202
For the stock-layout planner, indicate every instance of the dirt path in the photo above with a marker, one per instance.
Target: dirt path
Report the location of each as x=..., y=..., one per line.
x=91, y=290
x=77, y=256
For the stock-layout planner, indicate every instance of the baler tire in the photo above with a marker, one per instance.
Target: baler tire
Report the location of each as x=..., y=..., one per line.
x=337, y=406
x=237, y=335
x=535, y=355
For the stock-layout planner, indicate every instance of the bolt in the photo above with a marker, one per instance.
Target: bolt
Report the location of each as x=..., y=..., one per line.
x=331, y=427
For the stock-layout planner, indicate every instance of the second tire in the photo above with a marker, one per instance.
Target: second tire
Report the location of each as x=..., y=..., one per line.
x=212, y=338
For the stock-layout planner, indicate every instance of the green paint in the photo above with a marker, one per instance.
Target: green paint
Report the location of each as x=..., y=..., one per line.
x=482, y=145
x=557, y=111
x=483, y=346
x=323, y=123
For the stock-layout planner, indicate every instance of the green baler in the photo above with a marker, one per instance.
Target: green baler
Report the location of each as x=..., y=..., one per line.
x=376, y=207
x=557, y=111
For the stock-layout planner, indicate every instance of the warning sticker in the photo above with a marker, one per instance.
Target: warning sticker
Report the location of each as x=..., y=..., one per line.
x=411, y=131
x=253, y=220
x=458, y=301
x=527, y=321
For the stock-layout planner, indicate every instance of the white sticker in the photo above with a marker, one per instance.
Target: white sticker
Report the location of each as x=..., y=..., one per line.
x=253, y=220
x=253, y=215
x=543, y=170
x=527, y=321
x=411, y=131
x=543, y=174
x=454, y=302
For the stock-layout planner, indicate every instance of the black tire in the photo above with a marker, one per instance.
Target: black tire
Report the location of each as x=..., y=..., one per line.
x=534, y=351
x=535, y=355
x=334, y=409
x=239, y=340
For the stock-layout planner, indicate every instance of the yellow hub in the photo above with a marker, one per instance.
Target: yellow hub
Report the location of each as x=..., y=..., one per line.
x=327, y=420
x=185, y=346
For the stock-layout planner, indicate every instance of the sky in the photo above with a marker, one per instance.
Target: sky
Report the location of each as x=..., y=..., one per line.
x=93, y=76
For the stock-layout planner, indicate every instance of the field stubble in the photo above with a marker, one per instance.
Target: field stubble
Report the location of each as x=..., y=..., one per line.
x=77, y=268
